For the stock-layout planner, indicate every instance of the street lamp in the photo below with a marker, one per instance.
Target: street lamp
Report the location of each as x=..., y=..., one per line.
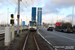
x=72, y=13
x=57, y=16
x=7, y=15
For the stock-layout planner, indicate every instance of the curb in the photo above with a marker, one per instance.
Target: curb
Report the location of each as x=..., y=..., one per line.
x=46, y=40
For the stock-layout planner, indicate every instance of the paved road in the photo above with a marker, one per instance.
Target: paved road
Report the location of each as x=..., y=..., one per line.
x=62, y=41
x=2, y=29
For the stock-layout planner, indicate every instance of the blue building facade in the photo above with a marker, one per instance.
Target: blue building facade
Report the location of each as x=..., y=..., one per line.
x=23, y=22
x=39, y=17
x=33, y=14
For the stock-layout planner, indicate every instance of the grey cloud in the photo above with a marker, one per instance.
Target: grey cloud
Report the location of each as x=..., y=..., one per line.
x=70, y=15
x=52, y=6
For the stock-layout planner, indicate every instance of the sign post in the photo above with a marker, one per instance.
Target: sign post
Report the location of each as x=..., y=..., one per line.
x=12, y=22
x=21, y=27
x=23, y=23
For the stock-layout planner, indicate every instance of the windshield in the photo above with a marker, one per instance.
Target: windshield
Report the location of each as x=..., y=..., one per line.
x=32, y=24
x=68, y=26
x=50, y=27
x=74, y=27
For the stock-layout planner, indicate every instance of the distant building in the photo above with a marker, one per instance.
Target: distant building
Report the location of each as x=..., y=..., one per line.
x=39, y=17
x=33, y=14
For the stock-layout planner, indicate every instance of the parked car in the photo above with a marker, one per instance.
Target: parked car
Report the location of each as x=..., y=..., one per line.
x=68, y=29
x=50, y=28
x=61, y=29
x=57, y=28
x=73, y=28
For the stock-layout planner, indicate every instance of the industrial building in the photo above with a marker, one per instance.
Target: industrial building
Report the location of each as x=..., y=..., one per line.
x=39, y=17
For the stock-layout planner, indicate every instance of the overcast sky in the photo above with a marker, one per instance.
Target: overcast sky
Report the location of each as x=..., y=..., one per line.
x=50, y=9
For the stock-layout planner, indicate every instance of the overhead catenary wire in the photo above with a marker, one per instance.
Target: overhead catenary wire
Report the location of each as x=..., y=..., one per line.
x=24, y=5
x=32, y=2
x=15, y=1
x=17, y=4
x=10, y=3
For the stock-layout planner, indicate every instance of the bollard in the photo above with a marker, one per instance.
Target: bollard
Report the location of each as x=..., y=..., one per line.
x=11, y=33
x=7, y=36
x=12, y=24
x=21, y=27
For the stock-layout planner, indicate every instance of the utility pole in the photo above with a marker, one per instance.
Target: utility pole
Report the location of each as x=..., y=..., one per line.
x=21, y=27
x=52, y=20
x=57, y=16
x=72, y=13
x=18, y=17
x=7, y=15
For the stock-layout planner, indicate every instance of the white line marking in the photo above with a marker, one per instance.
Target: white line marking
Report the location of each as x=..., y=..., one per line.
x=45, y=39
x=25, y=43
x=64, y=36
x=36, y=44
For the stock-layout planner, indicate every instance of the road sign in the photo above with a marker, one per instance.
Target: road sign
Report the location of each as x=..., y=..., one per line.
x=23, y=22
x=58, y=23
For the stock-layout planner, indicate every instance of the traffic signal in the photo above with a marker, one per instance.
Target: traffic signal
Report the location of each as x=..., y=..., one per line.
x=12, y=20
x=18, y=16
x=12, y=16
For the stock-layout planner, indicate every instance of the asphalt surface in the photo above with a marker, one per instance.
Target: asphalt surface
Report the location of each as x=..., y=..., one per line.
x=60, y=40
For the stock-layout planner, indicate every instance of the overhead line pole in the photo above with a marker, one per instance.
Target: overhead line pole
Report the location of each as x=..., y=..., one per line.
x=72, y=13
x=7, y=16
x=18, y=17
x=57, y=16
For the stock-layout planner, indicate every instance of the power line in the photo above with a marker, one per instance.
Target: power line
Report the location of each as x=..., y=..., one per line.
x=10, y=3
x=20, y=7
x=15, y=1
x=32, y=2
x=24, y=5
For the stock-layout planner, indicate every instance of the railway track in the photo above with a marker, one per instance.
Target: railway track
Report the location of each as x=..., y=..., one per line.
x=1, y=37
x=31, y=42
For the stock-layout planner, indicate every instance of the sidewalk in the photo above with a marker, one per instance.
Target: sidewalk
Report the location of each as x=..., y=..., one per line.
x=14, y=44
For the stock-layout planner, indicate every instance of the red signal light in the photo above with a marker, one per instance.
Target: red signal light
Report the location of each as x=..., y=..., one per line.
x=18, y=16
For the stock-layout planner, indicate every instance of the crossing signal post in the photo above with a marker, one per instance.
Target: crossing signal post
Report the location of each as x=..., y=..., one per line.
x=12, y=22
x=18, y=25
x=21, y=27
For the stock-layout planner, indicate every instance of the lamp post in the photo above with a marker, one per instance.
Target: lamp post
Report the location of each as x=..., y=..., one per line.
x=72, y=13
x=57, y=16
x=7, y=15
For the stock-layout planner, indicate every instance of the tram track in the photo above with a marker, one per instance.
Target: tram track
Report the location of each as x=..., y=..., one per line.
x=31, y=42
x=2, y=36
